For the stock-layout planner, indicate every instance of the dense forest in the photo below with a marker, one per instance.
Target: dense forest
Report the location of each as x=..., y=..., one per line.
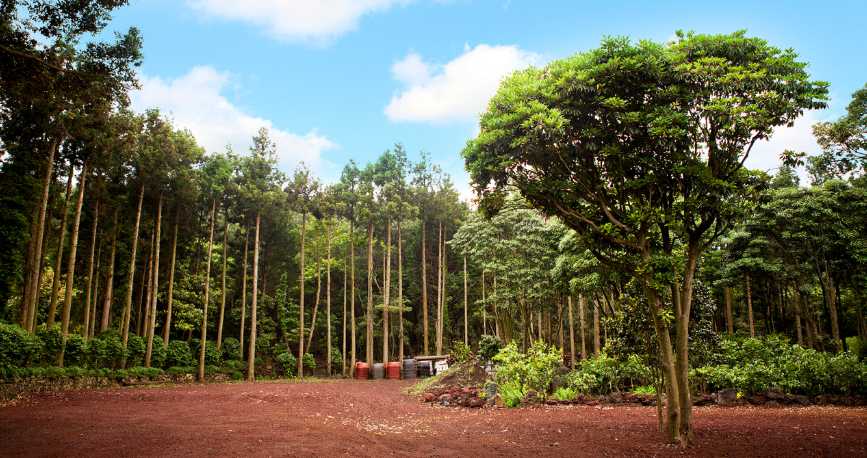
x=608, y=222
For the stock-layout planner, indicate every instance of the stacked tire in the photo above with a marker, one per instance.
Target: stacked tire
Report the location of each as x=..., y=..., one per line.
x=424, y=369
x=378, y=371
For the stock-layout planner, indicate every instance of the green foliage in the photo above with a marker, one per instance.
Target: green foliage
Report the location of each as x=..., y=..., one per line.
x=755, y=365
x=51, y=340
x=511, y=393
x=534, y=370
x=106, y=349
x=565, y=393
x=76, y=350
x=856, y=346
x=489, y=346
x=17, y=346
x=644, y=390
x=159, y=353
x=308, y=361
x=461, y=352
x=135, y=347
x=288, y=363
x=604, y=374
x=336, y=360
x=179, y=353
x=231, y=348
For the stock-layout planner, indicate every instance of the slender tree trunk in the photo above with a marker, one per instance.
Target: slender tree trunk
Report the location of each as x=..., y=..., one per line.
x=560, y=323
x=832, y=312
x=73, y=250
x=251, y=355
x=439, y=336
x=318, y=297
x=328, y=297
x=496, y=311
x=127, y=311
x=89, y=285
x=424, y=304
x=109, y=280
x=26, y=311
x=400, y=342
x=58, y=260
x=572, y=333
x=466, y=306
x=797, y=306
x=352, y=323
x=750, y=306
x=369, y=315
x=582, y=312
x=144, y=317
x=730, y=326
x=301, y=282
x=386, y=302
x=152, y=323
x=223, y=285
x=31, y=294
x=597, y=342
x=204, y=336
x=91, y=330
x=167, y=327
x=343, y=328
x=484, y=307
x=244, y=291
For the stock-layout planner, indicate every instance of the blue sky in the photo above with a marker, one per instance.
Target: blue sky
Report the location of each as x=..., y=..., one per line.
x=340, y=79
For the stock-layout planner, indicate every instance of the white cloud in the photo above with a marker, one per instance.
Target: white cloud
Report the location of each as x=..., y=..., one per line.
x=296, y=20
x=765, y=155
x=459, y=90
x=194, y=101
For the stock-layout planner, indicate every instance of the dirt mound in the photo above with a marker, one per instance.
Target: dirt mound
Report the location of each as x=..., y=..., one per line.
x=459, y=386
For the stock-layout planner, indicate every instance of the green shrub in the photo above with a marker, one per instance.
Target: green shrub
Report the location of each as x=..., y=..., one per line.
x=336, y=361
x=51, y=342
x=17, y=346
x=178, y=354
x=144, y=372
x=308, y=361
x=76, y=351
x=135, y=348
x=856, y=346
x=534, y=370
x=461, y=352
x=106, y=350
x=234, y=364
x=159, y=353
x=288, y=363
x=231, y=348
x=511, y=393
x=181, y=370
x=213, y=357
x=565, y=393
x=489, y=346
x=645, y=390
x=603, y=374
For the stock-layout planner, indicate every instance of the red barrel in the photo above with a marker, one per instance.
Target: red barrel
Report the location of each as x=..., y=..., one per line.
x=362, y=370
x=392, y=370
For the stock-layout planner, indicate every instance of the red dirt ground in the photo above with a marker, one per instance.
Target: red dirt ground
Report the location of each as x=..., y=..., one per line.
x=376, y=418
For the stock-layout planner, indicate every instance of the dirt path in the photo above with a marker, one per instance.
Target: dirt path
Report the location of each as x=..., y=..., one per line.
x=374, y=418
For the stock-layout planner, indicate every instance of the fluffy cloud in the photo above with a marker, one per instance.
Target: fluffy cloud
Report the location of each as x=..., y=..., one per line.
x=195, y=102
x=296, y=20
x=457, y=91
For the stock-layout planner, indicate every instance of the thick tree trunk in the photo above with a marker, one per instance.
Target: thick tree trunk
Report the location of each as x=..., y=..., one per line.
x=251, y=354
x=369, y=315
x=90, y=282
x=466, y=306
x=750, y=306
x=223, y=284
x=127, y=310
x=328, y=297
x=244, y=292
x=25, y=315
x=400, y=342
x=31, y=293
x=301, y=282
x=572, y=334
x=832, y=311
x=167, y=327
x=727, y=294
x=206, y=301
x=386, y=301
x=73, y=250
x=152, y=323
x=109, y=280
x=58, y=260
x=424, y=304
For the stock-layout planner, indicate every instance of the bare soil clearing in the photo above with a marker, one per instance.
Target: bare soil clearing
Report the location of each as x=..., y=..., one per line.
x=376, y=418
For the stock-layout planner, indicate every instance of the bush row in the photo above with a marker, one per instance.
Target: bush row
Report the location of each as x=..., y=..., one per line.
x=18, y=348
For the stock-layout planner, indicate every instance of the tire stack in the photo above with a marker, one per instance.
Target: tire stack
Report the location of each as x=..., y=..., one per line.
x=378, y=371
x=424, y=369
x=409, y=369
